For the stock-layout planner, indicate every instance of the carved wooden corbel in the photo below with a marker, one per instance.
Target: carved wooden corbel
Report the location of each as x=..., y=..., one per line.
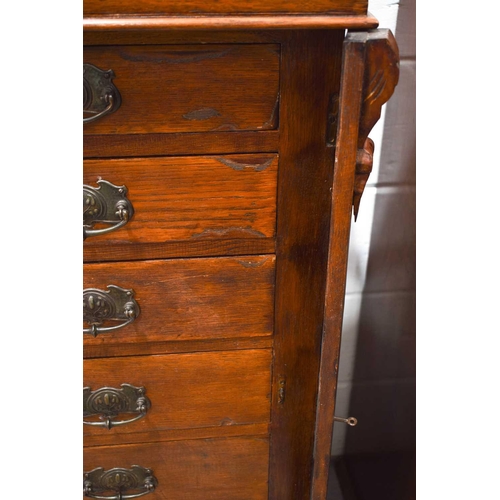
x=380, y=78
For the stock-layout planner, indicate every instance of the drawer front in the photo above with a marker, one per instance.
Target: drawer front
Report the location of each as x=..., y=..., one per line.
x=189, y=88
x=187, y=299
x=203, y=469
x=184, y=392
x=188, y=200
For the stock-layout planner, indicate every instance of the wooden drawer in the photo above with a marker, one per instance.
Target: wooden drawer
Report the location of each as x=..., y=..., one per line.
x=189, y=88
x=193, y=83
x=187, y=300
x=202, y=469
x=229, y=391
x=182, y=204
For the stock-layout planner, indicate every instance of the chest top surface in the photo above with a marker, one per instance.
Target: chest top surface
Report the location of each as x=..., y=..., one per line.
x=201, y=7
x=226, y=14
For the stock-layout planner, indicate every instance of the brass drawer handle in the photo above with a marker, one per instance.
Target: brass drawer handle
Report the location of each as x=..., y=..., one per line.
x=109, y=402
x=122, y=483
x=106, y=204
x=116, y=304
x=100, y=96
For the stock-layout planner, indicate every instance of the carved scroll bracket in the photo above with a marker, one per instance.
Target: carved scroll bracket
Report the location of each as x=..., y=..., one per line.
x=380, y=79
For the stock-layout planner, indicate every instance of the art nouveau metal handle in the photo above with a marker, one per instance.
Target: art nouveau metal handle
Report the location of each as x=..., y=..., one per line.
x=115, y=304
x=123, y=484
x=100, y=96
x=108, y=98
x=108, y=403
x=106, y=204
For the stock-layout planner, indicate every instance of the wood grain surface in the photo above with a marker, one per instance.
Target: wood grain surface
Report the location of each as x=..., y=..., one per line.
x=215, y=23
x=203, y=469
x=380, y=78
x=261, y=91
x=100, y=251
x=93, y=35
x=189, y=299
x=190, y=199
x=189, y=88
x=310, y=77
x=103, y=350
x=372, y=55
x=343, y=185
x=212, y=389
x=197, y=7
x=195, y=143
x=221, y=431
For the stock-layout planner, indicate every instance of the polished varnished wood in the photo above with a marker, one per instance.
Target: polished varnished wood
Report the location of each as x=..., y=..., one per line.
x=194, y=8
x=100, y=251
x=189, y=199
x=179, y=346
x=257, y=22
x=364, y=165
x=201, y=469
x=196, y=143
x=187, y=391
x=283, y=309
x=360, y=101
x=190, y=299
x=345, y=162
x=189, y=88
x=381, y=76
x=163, y=36
x=310, y=76
x=223, y=431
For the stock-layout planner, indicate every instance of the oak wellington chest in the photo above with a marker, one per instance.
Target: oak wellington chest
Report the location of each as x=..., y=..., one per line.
x=225, y=150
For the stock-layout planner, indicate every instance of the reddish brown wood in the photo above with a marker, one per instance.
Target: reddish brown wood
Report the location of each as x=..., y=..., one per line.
x=223, y=431
x=219, y=304
x=364, y=165
x=190, y=199
x=194, y=8
x=101, y=251
x=187, y=391
x=164, y=36
x=214, y=143
x=358, y=54
x=179, y=346
x=310, y=75
x=201, y=469
x=381, y=76
x=190, y=299
x=230, y=22
x=343, y=183
x=189, y=88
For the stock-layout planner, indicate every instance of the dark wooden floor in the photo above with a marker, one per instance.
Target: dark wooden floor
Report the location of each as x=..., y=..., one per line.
x=373, y=477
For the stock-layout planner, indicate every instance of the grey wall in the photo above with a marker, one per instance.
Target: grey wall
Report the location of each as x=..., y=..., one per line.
x=377, y=363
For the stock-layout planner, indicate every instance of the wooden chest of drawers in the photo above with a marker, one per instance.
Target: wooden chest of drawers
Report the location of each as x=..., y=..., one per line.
x=224, y=148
